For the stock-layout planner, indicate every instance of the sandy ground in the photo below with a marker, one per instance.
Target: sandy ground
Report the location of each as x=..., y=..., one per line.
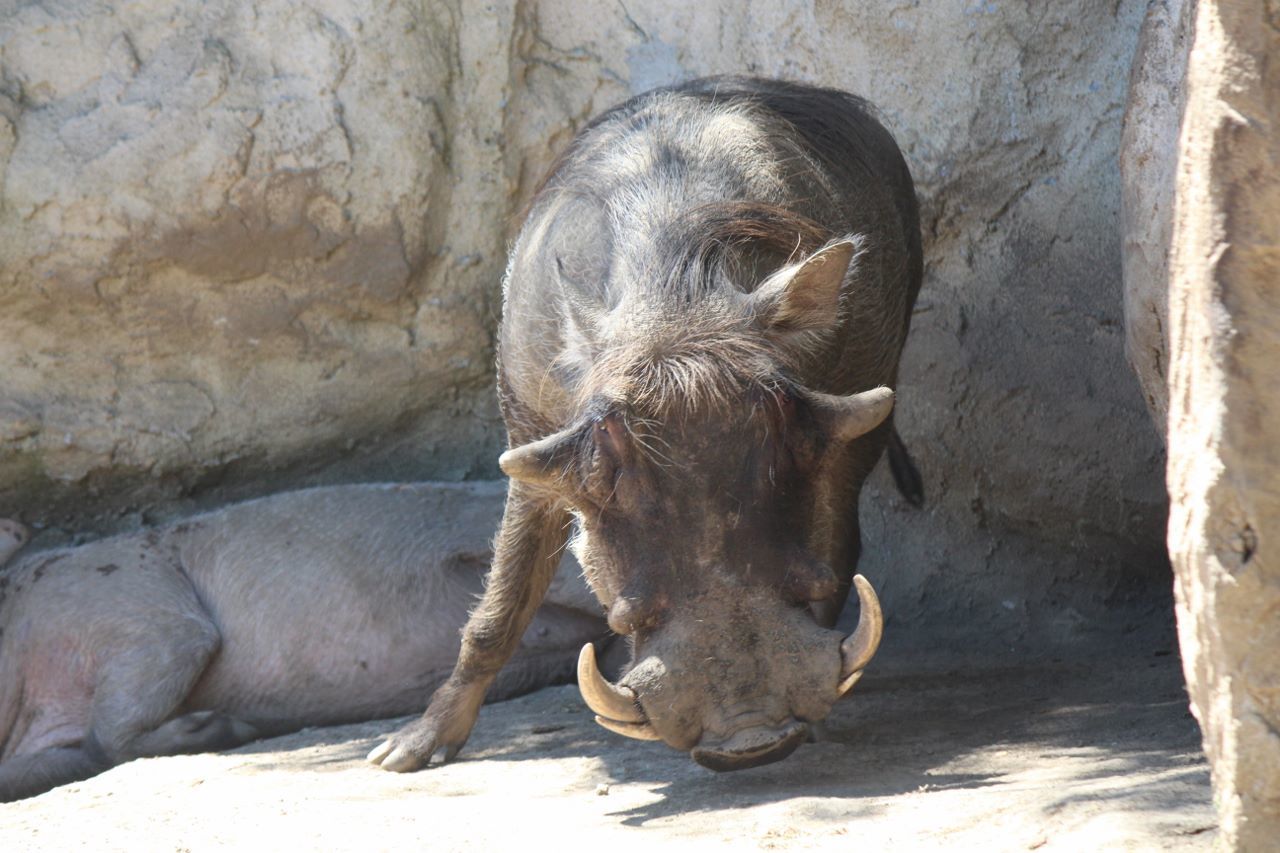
x=1098, y=753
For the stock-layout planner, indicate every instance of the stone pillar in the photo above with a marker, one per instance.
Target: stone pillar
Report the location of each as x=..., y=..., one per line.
x=1224, y=407
x=1148, y=177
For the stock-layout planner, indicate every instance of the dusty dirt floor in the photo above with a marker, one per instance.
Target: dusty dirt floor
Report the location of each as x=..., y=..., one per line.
x=1095, y=752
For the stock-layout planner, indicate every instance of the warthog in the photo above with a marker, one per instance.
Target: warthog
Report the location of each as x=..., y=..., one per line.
x=703, y=316
x=322, y=606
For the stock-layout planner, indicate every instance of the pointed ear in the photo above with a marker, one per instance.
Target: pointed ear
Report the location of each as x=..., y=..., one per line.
x=806, y=296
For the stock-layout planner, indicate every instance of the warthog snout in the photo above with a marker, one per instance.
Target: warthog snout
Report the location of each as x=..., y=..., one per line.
x=733, y=712
x=750, y=747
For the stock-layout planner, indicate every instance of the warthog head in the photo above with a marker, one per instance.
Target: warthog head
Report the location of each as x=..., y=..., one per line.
x=711, y=491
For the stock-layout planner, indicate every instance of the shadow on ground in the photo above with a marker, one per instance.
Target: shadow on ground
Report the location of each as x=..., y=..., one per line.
x=1063, y=742
x=1095, y=751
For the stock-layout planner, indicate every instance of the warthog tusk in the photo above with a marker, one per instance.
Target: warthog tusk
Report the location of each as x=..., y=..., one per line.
x=639, y=731
x=857, y=650
x=615, y=703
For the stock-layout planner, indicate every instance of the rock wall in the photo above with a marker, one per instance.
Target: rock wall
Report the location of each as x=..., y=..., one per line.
x=1224, y=407
x=246, y=246
x=1148, y=173
x=228, y=254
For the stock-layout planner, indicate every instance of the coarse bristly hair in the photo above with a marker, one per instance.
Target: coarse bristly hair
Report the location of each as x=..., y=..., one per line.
x=698, y=365
x=698, y=188
x=691, y=351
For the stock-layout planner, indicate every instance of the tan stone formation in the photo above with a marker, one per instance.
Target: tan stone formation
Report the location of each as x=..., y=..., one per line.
x=248, y=246
x=1224, y=408
x=228, y=248
x=1148, y=173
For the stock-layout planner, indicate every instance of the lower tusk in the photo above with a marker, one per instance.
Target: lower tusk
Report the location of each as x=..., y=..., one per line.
x=859, y=648
x=608, y=700
x=639, y=731
x=847, y=684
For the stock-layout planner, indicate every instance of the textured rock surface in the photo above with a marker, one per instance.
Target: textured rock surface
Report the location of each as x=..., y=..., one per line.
x=1224, y=408
x=224, y=252
x=248, y=246
x=1148, y=173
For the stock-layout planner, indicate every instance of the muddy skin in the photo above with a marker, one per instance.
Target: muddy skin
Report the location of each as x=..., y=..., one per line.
x=703, y=316
x=308, y=608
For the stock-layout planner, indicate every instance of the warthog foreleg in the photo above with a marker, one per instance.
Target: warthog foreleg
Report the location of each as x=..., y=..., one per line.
x=526, y=554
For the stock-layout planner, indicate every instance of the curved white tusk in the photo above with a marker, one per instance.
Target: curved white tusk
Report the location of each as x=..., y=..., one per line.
x=613, y=702
x=847, y=684
x=639, y=731
x=857, y=650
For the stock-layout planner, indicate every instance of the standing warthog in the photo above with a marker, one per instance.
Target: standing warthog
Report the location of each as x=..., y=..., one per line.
x=702, y=313
x=307, y=608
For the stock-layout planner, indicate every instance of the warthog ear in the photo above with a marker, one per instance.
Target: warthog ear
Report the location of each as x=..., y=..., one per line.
x=13, y=536
x=806, y=296
x=543, y=462
x=846, y=418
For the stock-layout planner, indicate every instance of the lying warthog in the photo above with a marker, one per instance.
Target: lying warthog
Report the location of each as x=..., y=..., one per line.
x=702, y=313
x=308, y=608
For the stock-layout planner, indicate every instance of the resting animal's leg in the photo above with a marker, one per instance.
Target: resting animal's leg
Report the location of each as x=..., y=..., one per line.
x=158, y=652
x=525, y=557
x=198, y=731
x=29, y=775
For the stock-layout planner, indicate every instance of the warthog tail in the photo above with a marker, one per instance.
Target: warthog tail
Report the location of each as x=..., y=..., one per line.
x=905, y=474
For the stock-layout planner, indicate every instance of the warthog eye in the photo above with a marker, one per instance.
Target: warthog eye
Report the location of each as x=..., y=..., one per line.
x=610, y=432
x=612, y=449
